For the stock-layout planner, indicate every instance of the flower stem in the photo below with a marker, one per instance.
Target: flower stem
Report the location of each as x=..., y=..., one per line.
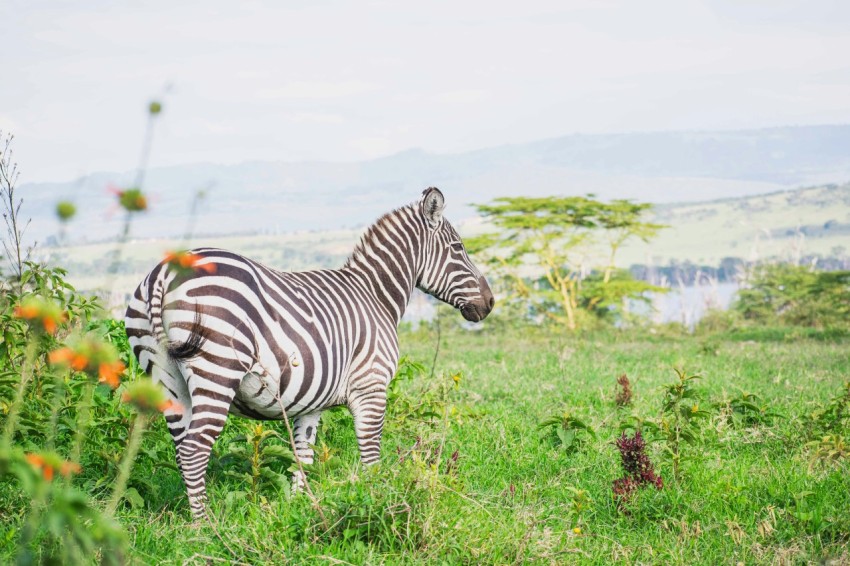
x=133, y=445
x=83, y=416
x=58, y=397
x=15, y=409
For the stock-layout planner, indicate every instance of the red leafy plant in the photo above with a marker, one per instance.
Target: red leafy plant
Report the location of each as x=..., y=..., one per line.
x=624, y=393
x=639, y=471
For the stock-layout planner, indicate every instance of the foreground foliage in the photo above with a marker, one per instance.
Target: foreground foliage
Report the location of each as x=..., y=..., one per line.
x=466, y=476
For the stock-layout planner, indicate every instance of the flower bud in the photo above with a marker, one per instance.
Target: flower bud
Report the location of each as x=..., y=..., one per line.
x=65, y=210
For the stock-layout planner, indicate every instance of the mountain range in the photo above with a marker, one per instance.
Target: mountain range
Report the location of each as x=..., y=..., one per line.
x=279, y=197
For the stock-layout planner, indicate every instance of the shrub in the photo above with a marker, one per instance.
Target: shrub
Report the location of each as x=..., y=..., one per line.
x=796, y=295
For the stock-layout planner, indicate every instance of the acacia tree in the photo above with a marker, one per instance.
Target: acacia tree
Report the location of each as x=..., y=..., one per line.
x=552, y=235
x=621, y=220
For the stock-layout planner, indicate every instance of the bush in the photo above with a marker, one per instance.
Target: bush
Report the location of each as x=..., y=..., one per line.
x=716, y=321
x=794, y=295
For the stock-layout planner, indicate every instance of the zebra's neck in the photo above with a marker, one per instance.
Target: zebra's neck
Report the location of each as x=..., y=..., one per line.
x=387, y=259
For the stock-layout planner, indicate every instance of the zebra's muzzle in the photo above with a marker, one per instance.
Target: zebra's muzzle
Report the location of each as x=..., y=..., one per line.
x=476, y=311
x=473, y=312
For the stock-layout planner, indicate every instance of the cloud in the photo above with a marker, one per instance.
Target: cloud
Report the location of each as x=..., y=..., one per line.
x=373, y=146
x=462, y=96
x=317, y=89
x=8, y=126
x=314, y=118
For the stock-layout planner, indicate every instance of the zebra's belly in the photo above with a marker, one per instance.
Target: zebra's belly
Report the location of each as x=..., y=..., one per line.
x=259, y=397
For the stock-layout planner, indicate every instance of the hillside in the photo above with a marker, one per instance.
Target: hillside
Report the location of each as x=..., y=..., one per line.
x=279, y=197
x=781, y=224
x=786, y=224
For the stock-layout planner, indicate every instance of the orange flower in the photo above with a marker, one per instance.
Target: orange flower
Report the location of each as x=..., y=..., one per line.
x=48, y=466
x=131, y=200
x=169, y=404
x=49, y=314
x=60, y=356
x=79, y=362
x=69, y=468
x=109, y=373
x=67, y=356
x=92, y=355
x=27, y=312
x=35, y=459
x=49, y=325
x=188, y=260
x=149, y=397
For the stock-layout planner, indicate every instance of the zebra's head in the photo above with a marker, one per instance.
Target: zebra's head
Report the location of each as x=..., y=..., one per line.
x=446, y=272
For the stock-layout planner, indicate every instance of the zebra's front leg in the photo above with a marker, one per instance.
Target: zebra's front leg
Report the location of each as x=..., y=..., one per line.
x=304, y=430
x=368, y=407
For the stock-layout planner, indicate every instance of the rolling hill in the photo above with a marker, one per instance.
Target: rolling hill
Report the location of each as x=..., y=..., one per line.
x=280, y=197
x=785, y=224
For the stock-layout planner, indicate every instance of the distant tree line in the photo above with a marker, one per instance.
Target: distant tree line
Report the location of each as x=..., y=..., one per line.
x=730, y=269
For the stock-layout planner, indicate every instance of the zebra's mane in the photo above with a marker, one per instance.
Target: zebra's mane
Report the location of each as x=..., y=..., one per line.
x=369, y=234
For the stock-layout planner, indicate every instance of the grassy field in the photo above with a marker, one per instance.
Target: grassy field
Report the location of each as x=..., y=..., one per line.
x=466, y=476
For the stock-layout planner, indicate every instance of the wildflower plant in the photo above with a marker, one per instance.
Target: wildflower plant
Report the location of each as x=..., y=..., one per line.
x=257, y=461
x=567, y=431
x=831, y=417
x=132, y=199
x=42, y=314
x=186, y=264
x=92, y=356
x=748, y=409
x=65, y=211
x=50, y=464
x=580, y=507
x=637, y=467
x=680, y=417
x=624, y=391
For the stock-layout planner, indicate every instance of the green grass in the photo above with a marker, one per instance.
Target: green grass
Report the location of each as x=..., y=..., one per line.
x=747, y=494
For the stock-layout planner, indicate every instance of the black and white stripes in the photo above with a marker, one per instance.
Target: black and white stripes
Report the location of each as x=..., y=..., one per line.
x=246, y=339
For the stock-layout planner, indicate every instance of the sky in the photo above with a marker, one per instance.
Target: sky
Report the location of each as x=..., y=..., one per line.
x=347, y=81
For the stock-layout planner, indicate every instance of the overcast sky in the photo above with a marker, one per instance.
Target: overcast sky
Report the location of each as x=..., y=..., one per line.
x=325, y=80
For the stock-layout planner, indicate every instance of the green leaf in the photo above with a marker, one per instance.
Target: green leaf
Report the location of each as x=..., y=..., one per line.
x=276, y=451
x=134, y=498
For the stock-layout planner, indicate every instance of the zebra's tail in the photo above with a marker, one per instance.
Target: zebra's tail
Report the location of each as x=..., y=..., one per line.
x=157, y=291
x=198, y=333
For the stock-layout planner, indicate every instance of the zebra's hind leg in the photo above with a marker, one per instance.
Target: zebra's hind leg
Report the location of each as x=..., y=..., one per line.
x=178, y=417
x=304, y=430
x=212, y=388
x=368, y=407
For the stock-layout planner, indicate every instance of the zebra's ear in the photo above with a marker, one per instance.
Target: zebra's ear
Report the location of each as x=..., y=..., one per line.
x=432, y=204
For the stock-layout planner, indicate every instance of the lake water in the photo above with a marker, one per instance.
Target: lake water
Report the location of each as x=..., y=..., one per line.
x=685, y=305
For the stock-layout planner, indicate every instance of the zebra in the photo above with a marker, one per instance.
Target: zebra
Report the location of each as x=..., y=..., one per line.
x=235, y=336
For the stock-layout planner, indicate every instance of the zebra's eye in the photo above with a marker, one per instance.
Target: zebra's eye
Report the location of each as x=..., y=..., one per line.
x=457, y=246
